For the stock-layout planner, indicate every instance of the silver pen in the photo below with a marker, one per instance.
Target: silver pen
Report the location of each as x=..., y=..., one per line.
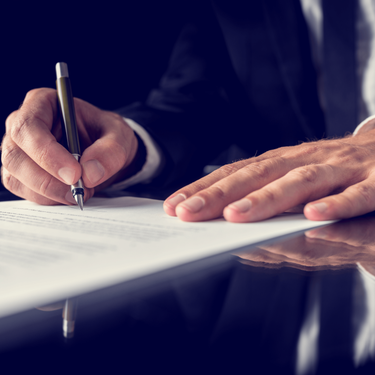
x=69, y=314
x=65, y=99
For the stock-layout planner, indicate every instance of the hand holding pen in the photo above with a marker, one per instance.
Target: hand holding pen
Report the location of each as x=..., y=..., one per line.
x=36, y=167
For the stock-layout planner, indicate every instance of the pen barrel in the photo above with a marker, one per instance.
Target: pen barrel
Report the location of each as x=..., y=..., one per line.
x=69, y=316
x=65, y=99
x=70, y=309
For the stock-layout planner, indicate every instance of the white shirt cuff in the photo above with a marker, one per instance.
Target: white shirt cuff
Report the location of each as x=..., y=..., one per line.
x=152, y=166
x=363, y=123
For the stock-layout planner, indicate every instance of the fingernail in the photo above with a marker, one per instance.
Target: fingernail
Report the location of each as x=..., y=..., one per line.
x=69, y=197
x=321, y=207
x=174, y=201
x=67, y=174
x=93, y=170
x=242, y=206
x=194, y=204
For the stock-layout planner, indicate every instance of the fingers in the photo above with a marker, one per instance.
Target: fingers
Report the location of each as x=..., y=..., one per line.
x=19, y=189
x=31, y=182
x=273, y=189
x=171, y=203
x=29, y=129
x=25, y=178
x=38, y=168
x=256, y=189
x=355, y=200
x=222, y=187
x=299, y=185
x=113, y=151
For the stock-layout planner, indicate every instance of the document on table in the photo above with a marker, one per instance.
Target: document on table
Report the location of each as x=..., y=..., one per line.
x=52, y=252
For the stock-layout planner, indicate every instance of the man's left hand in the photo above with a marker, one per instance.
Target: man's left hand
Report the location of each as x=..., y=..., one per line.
x=333, y=179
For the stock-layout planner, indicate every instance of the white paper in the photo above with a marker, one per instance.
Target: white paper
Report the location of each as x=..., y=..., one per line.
x=52, y=252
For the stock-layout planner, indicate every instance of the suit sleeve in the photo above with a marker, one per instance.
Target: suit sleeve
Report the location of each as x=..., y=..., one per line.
x=188, y=114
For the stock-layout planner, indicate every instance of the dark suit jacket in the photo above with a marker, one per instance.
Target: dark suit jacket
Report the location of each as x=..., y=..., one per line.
x=241, y=73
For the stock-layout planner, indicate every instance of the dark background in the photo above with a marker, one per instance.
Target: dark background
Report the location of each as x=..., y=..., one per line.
x=116, y=50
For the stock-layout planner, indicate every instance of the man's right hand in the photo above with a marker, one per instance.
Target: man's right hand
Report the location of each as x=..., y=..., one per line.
x=36, y=167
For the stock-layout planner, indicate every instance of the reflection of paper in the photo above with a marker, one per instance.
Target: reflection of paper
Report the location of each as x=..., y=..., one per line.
x=48, y=253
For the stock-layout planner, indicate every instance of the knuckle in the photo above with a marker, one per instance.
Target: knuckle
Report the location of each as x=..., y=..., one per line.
x=334, y=144
x=216, y=192
x=18, y=127
x=45, y=185
x=199, y=185
x=10, y=157
x=304, y=150
x=227, y=169
x=194, y=187
x=350, y=153
x=345, y=152
x=8, y=181
x=10, y=119
x=269, y=196
x=275, y=153
x=367, y=194
x=261, y=170
x=35, y=109
x=357, y=157
x=308, y=174
x=310, y=148
x=34, y=92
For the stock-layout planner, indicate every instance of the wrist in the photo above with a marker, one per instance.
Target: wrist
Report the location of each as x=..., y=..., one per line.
x=136, y=164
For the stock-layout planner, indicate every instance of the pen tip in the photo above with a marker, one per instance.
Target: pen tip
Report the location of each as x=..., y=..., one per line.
x=79, y=200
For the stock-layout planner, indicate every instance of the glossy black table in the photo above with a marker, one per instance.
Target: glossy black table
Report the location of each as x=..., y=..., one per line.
x=295, y=305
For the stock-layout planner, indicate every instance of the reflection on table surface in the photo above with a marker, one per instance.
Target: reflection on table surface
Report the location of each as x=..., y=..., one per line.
x=301, y=305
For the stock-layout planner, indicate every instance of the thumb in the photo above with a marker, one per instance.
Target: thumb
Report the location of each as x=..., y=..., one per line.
x=113, y=151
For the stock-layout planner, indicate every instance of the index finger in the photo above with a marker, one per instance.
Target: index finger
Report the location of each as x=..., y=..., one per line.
x=30, y=129
x=210, y=202
x=265, y=171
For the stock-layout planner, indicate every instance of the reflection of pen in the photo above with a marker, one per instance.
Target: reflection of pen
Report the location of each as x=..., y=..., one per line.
x=69, y=317
x=65, y=99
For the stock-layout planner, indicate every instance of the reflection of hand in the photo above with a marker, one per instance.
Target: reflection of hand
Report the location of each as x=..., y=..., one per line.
x=335, y=177
x=341, y=244
x=38, y=168
x=52, y=306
